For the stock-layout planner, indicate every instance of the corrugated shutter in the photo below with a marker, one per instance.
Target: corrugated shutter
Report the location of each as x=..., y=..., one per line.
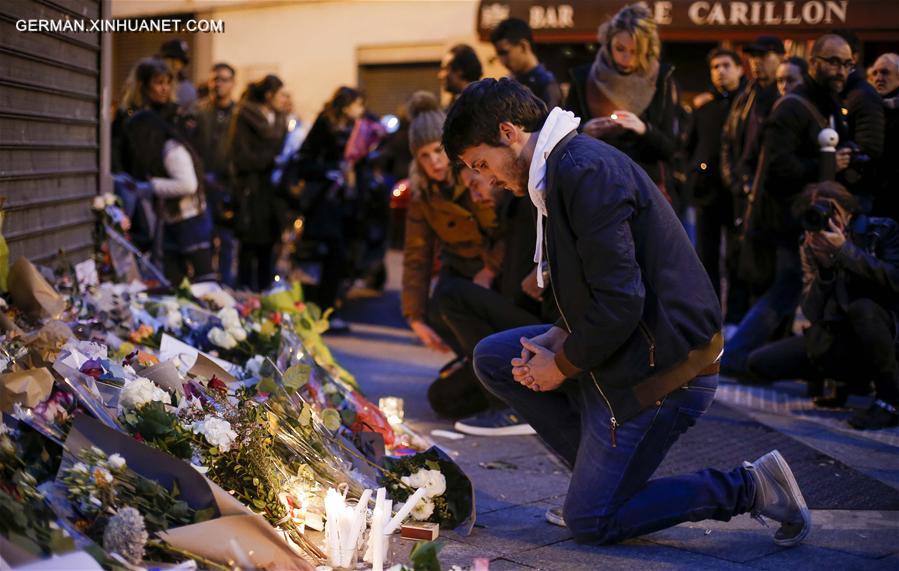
x=49, y=130
x=388, y=86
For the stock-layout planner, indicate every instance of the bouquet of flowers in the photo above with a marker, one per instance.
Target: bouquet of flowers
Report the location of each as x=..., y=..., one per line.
x=449, y=495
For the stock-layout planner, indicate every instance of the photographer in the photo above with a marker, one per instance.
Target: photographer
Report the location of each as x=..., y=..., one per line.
x=850, y=266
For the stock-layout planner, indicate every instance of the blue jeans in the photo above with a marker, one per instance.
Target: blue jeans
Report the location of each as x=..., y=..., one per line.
x=761, y=321
x=610, y=497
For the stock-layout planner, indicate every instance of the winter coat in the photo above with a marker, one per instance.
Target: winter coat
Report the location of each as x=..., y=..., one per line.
x=886, y=200
x=254, y=145
x=704, y=147
x=792, y=158
x=543, y=84
x=180, y=117
x=741, y=136
x=640, y=308
x=864, y=115
x=865, y=267
x=655, y=149
x=212, y=144
x=443, y=218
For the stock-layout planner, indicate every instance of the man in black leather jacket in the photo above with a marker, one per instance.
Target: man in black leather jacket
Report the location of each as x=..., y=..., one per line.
x=851, y=296
x=632, y=363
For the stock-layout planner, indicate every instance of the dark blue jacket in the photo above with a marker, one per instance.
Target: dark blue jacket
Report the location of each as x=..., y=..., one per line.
x=639, y=305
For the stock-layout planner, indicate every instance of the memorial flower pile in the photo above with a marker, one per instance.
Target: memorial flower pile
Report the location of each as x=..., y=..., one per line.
x=236, y=393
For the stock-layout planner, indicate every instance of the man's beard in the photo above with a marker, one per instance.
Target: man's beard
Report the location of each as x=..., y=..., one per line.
x=517, y=169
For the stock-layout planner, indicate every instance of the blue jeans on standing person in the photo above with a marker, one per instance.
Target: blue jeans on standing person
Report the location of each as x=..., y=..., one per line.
x=777, y=304
x=610, y=497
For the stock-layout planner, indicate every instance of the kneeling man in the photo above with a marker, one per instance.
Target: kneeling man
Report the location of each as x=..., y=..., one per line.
x=633, y=362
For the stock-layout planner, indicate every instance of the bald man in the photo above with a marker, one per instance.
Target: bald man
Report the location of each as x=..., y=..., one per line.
x=792, y=154
x=885, y=78
x=884, y=75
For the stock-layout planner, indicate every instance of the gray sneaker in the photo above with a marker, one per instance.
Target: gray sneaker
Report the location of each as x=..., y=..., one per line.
x=777, y=496
x=554, y=516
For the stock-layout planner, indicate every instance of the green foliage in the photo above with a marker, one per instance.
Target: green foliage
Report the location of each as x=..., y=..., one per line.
x=296, y=377
x=424, y=556
x=331, y=419
x=160, y=429
x=249, y=469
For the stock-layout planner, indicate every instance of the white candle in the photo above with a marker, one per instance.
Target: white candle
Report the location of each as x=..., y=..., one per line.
x=376, y=538
x=405, y=511
x=334, y=513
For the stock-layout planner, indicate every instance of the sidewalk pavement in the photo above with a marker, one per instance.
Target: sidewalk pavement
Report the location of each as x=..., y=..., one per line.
x=512, y=495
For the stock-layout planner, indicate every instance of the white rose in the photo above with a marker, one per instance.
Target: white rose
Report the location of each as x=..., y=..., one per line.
x=98, y=203
x=435, y=483
x=239, y=333
x=173, y=320
x=116, y=462
x=80, y=467
x=141, y=391
x=170, y=305
x=217, y=432
x=221, y=338
x=229, y=317
x=423, y=509
x=109, y=199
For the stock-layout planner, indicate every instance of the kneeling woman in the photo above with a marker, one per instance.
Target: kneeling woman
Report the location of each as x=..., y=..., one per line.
x=159, y=157
x=443, y=221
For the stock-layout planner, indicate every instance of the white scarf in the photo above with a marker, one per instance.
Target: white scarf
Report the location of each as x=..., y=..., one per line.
x=558, y=124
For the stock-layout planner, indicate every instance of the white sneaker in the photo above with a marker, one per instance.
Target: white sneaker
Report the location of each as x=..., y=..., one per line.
x=778, y=497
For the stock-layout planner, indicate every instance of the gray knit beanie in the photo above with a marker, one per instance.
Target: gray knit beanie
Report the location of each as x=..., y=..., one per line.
x=427, y=120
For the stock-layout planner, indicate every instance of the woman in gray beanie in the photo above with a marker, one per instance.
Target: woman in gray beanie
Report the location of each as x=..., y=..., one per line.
x=443, y=220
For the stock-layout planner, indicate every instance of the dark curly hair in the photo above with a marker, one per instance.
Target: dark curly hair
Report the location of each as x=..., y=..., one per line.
x=475, y=116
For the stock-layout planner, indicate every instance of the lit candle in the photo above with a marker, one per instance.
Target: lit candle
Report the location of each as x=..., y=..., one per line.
x=392, y=407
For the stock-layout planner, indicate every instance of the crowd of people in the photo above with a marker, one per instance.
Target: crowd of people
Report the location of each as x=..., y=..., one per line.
x=788, y=161
x=221, y=187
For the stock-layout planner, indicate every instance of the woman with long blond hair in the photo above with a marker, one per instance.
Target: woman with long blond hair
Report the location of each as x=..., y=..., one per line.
x=627, y=97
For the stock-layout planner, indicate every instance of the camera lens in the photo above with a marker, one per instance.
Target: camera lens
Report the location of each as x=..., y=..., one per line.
x=815, y=217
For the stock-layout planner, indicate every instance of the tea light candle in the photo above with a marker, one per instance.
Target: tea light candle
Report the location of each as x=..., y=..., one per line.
x=392, y=407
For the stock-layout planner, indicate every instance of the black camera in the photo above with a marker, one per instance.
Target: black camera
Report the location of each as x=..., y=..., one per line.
x=858, y=162
x=815, y=217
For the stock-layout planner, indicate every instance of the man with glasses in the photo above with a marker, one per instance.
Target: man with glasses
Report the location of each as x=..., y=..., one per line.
x=514, y=44
x=790, y=160
x=211, y=141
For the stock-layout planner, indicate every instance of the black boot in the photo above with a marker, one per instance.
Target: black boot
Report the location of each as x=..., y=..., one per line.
x=878, y=416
